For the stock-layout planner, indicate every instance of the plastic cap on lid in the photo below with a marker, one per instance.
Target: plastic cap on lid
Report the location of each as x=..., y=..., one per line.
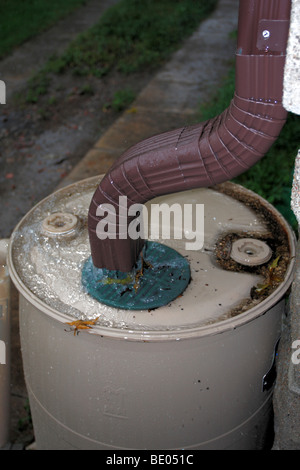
x=250, y=252
x=59, y=223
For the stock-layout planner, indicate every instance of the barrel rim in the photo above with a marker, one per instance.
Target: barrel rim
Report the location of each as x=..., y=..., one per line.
x=163, y=335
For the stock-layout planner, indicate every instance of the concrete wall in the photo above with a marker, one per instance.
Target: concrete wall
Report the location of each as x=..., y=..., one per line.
x=287, y=390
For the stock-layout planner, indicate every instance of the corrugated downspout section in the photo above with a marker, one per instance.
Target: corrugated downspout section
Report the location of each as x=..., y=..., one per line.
x=207, y=153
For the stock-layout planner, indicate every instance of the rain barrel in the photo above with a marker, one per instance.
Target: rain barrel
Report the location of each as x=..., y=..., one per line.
x=197, y=373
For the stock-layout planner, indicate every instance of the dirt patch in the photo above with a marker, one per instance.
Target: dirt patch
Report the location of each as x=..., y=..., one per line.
x=42, y=142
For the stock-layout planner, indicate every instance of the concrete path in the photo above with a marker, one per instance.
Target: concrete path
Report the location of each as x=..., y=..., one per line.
x=18, y=67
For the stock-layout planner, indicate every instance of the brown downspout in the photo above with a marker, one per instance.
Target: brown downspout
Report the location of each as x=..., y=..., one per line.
x=210, y=152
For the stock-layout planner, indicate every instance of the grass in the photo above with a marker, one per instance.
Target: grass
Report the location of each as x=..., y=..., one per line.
x=122, y=99
x=22, y=20
x=131, y=36
x=272, y=176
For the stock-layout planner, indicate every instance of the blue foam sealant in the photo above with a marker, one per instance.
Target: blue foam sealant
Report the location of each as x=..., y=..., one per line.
x=161, y=274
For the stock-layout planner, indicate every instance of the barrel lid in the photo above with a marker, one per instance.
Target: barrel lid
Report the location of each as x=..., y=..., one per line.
x=49, y=265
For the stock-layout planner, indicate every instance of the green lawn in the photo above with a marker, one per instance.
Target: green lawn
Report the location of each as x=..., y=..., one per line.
x=21, y=20
x=131, y=36
x=272, y=176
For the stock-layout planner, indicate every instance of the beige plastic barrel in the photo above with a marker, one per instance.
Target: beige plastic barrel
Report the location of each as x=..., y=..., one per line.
x=202, y=386
x=4, y=346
